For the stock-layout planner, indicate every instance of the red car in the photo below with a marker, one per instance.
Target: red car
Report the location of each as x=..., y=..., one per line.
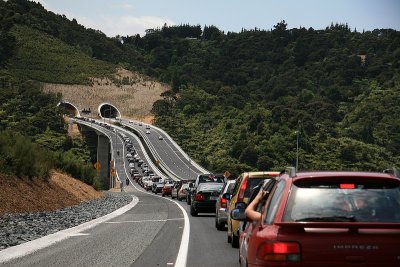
x=167, y=189
x=325, y=219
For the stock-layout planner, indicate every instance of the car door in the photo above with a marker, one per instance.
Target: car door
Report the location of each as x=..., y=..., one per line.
x=252, y=227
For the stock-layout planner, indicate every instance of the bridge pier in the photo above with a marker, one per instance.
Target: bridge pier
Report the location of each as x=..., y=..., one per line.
x=103, y=157
x=99, y=146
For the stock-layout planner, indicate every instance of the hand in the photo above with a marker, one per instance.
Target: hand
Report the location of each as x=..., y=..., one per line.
x=259, y=197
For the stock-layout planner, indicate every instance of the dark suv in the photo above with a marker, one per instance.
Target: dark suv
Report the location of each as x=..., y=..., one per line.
x=325, y=219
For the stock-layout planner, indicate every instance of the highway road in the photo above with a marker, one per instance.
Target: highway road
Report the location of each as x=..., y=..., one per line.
x=152, y=231
x=149, y=234
x=168, y=151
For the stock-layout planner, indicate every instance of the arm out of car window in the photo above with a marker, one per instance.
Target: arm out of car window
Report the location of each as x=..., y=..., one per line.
x=251, y=211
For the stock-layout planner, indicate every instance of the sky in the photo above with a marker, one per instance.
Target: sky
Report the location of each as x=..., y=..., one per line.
x=131, y=17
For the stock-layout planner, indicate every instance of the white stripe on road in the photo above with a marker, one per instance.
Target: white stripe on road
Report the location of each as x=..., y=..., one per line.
x=184, y=247
x=148, y=221
x=79, y=234
x=34, y=245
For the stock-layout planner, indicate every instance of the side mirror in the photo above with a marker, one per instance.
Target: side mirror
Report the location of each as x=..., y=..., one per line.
x=238, y=214
x=227, y=196
x=240, y=205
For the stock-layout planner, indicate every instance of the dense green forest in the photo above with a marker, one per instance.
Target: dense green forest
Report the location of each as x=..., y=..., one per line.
x=238, y=101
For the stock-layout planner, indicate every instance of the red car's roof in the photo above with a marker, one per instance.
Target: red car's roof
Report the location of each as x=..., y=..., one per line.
x=343, y=174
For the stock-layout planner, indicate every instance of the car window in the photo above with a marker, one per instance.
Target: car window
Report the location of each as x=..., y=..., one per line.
x=251, y=183
x=274, y=203
x=332, y=202
x=210, y=186
x=210, y=178
x=230, y=188
x=237, y=184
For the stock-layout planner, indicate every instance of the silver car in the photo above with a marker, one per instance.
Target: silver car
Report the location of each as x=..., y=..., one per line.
x=222, y=206
x=182, y=192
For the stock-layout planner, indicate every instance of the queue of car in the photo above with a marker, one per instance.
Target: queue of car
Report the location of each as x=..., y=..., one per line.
x=305, y=218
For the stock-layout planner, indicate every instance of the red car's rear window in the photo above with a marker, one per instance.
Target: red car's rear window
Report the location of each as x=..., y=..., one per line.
x=351, y=199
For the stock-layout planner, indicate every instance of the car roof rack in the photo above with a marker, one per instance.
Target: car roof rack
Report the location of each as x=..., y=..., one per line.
x=395, y=171
x=291, y=171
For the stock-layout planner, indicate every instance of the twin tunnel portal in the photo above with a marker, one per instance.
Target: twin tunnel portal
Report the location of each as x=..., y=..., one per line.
x=105, y=110
x=98, y=143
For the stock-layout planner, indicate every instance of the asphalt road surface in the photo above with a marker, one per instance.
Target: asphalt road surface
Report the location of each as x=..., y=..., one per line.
x=154, y=231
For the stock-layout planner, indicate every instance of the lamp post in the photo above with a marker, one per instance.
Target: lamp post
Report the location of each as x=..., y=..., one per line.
x=297, y=150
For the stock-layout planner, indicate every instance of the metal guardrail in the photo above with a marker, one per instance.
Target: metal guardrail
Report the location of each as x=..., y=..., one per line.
x=147, y=144
x=148, y=158
x=166, y=172
x=162, y=165
x=203, y=170
x=191, y=162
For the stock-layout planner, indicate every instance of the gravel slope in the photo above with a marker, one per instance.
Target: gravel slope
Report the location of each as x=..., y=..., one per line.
x=18, y=228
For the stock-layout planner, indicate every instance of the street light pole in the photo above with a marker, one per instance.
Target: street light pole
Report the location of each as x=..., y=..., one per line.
x=297, y=150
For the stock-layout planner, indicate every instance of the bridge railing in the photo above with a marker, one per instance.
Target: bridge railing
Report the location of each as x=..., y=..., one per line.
x=192, y=162
x=154, y=152
x=145, y=146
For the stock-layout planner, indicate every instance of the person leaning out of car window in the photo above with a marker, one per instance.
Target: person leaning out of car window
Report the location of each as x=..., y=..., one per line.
x=251, y=210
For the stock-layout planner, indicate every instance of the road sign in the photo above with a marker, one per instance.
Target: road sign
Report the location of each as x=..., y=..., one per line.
x=227, y=174
x=97, y=165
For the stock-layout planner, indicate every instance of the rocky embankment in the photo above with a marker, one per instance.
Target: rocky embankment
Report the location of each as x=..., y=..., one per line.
x=19, y=228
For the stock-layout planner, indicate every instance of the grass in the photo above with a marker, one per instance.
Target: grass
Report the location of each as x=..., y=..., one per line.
x=44, y=58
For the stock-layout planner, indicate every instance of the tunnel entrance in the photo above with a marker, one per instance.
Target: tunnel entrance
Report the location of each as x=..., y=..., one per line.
x=70, y=109
x=109, y=111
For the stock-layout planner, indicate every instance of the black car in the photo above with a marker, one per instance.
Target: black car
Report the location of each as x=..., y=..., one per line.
x=203, y=178
x=205, y=197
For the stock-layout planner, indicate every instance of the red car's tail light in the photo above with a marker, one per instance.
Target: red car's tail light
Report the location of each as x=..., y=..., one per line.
x=198, y=197
x=279, y=251
x=241, y=191
x=223, y=202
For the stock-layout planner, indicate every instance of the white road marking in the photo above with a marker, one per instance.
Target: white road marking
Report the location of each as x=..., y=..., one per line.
x=148, y=221
x=79, y=234
x=184, y=247
x=34, y=245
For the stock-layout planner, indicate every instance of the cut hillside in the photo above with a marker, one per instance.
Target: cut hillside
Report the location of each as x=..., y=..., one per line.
x=82, y=80
x=59, y=191
x=133, y=94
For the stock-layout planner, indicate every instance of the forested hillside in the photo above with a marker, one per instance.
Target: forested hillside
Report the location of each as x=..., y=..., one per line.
x=239, y=101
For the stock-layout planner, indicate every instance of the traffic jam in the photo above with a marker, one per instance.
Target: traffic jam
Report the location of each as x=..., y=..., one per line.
x=291, y=218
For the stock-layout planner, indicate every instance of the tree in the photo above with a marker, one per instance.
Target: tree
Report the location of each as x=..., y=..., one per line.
x=7, y=47
x=249, y=155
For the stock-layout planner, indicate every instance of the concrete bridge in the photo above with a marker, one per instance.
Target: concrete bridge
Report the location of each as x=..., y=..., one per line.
x=98, y=141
